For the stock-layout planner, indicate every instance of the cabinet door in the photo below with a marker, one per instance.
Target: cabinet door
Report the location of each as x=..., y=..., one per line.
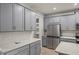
x=63, y=22
x=54, y=19
x=71, y=22
x=51, y=20
x=35, y=48
x=27, y=19
x=44, y=41
x=23, y=52
x=18, y=17
x=46, y=22
x=68, y=22
x=33, y=21
x=6, y=17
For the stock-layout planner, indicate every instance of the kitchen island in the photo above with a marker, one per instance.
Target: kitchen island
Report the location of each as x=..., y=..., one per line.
x=19, y=43
x=67, y=48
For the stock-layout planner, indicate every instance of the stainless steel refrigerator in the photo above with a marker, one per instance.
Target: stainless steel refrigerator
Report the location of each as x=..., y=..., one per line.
x=53, y=35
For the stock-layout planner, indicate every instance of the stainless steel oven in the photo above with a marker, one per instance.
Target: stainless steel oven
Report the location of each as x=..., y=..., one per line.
x=77, y=26
x=77, y=32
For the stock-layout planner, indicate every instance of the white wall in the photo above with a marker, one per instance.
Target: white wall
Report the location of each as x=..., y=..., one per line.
x=41, y=25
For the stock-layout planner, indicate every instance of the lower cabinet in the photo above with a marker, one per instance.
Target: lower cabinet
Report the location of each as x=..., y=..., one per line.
x=44, y=41
x=30, y=49
x=19, y=51
x=24, y=52
x=35, y=48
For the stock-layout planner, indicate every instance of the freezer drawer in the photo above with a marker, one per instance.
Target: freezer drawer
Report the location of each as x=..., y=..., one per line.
x=52, y=42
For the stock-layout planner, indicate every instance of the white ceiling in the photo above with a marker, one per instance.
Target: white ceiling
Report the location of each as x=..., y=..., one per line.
x=47, y=8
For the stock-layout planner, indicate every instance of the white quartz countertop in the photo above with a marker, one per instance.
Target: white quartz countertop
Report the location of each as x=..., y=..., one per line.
x=67, y=37
x=68, y=48
x=8, y=39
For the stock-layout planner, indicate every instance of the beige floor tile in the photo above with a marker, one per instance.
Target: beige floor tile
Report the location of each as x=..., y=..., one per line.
x=46, y=51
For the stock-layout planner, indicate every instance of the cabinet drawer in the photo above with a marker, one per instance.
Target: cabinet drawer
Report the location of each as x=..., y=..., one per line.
x=35, y=43
x=15, y=51
x=23, y=52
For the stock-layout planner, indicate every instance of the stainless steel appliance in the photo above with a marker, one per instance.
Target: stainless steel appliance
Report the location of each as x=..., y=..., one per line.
x=53, y=35
x=77, y=32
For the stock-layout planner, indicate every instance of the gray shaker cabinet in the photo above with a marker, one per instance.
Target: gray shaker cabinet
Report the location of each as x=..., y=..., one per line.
x=24, y=50
x=49, y=20
x=44, y=41
x=28, y=49
x=64, y=22
x=71, y=22
x=6, y=17
x=68, y=22
x=35, y=48
x=30, y=20
x=18, y=17
x=55, y=19
x=11, y=17
x=33, y=20
x=27, y=19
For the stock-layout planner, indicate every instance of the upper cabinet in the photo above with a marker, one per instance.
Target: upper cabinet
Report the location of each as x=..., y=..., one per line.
x=49, y=20
x=68, y=22
x=63, y=22
x=54, y=19
x=6, y=17
x=18, y=17
x=71, y=22
x=11, y=17
x=14, y=17
x=27, y=19
x=30, y=20
x=33, y=20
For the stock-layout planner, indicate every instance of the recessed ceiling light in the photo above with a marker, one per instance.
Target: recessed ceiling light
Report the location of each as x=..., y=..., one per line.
x=54, y=8
x=75, y=4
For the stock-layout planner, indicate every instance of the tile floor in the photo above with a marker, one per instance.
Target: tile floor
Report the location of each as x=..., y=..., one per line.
x=46, y=51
